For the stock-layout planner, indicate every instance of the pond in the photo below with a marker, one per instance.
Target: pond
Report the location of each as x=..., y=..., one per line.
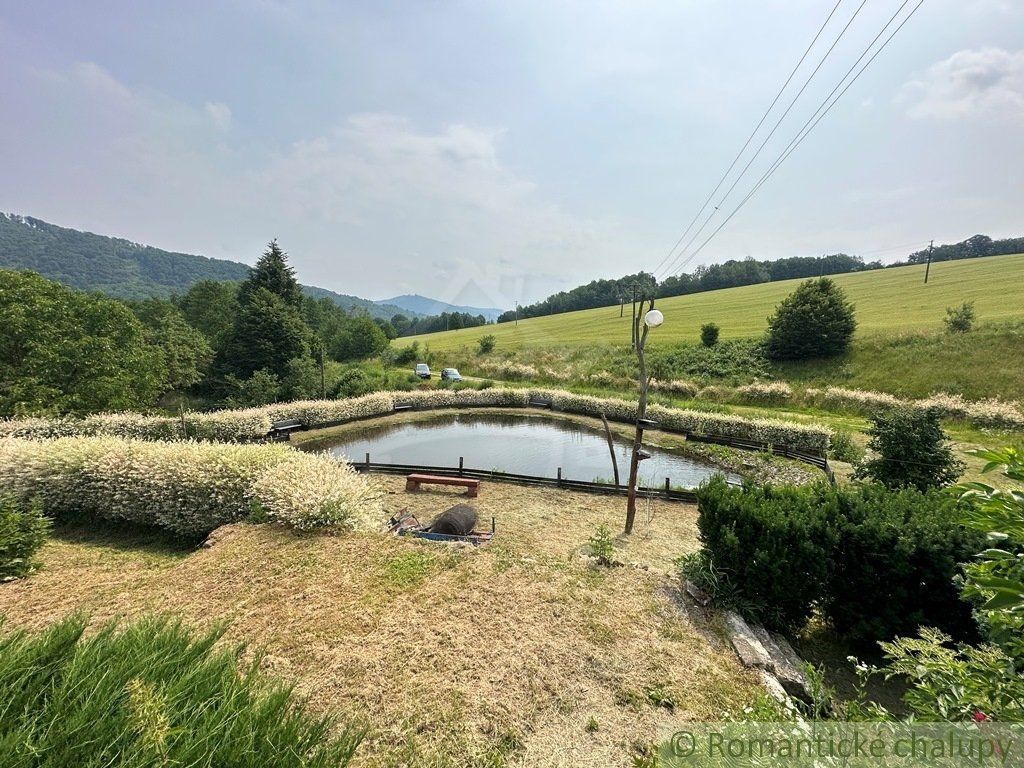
x=516, y=443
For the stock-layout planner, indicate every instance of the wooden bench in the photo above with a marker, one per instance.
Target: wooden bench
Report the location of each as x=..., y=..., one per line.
x=282, y=430
x=413, y=482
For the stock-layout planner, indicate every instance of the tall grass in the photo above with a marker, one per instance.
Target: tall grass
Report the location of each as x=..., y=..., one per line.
x=152, y=693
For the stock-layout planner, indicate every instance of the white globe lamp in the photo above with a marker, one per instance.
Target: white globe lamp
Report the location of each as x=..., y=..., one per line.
x=654, y=318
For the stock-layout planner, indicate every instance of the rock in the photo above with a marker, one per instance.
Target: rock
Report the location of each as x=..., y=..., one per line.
x=698, y=595
x=746, y=644
x=786, y=665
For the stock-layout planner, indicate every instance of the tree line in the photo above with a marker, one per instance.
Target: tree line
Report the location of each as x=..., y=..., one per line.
x=739, y=272
x=64, y=351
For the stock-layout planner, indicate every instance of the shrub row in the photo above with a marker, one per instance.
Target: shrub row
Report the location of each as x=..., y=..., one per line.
x=186, y=487
x=877, y=563
x=999, y=414
x=254, y=423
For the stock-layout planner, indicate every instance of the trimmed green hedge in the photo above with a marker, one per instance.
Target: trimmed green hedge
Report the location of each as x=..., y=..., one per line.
x=876, y=563
x=774, y=545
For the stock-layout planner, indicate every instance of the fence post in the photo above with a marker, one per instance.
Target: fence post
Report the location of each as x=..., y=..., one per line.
x=559, y=477
x=668, y=486
x=460, y=466
x=367, y=461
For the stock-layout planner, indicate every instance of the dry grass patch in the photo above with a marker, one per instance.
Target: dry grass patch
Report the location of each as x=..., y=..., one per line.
x=506, y=655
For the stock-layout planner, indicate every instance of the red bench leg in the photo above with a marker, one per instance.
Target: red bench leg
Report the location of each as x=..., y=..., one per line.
x=472, y=491
x=411, y=485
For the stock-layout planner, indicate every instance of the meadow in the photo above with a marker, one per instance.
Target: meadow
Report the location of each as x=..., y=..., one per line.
x=888, y=302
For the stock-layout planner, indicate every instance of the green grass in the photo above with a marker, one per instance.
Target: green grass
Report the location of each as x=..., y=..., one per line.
x=151, y=693
x=887, y=301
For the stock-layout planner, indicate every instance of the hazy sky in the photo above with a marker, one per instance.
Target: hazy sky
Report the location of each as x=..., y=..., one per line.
x=488, y=152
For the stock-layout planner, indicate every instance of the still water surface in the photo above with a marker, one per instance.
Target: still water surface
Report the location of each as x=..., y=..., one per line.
x=521, y=444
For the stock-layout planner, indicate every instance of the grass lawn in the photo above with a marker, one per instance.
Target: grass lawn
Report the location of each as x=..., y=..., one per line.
x=888, y=301
x=517, y=653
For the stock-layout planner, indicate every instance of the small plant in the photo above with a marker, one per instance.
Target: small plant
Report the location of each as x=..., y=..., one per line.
x=709, y=334
x=602, y=546
x=23, y=529
x=661, y=695
x=960, y=319
x=592, y=725
x=843, y=448
x=486, y=344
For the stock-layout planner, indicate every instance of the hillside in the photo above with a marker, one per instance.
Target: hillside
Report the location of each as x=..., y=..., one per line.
x=423, y=305
x=887, y=300
x=127, y=270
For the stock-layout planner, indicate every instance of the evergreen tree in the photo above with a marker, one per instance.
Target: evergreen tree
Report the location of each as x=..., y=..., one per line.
x=910, y=449
x=269, y=330
x=815, y=320
x=274, y=273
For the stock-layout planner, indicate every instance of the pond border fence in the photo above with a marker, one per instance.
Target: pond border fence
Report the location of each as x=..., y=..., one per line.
x=665, y=492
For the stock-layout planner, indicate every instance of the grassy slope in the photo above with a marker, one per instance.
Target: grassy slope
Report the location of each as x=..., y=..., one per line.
x=889, y=300
x=454, y=659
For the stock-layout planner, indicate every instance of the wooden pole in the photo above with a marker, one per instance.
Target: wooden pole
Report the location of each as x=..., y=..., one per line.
x=928, y=267
x=641, y=412
x=611, y=447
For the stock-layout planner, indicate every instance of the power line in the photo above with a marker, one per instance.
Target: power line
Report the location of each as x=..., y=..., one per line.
x=805, y=131
x=771, y=133
x=750, y=138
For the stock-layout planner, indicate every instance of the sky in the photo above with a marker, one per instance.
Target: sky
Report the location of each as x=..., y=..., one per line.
x=489, y=153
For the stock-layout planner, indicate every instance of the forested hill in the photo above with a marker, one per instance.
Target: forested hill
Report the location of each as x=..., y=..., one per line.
x=128, y=270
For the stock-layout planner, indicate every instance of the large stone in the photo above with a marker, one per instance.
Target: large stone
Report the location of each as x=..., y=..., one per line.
x=785, y=663
x=746, y=644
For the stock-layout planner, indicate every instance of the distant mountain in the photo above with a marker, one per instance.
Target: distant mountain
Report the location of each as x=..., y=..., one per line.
x=426, y=306
x=129, y=270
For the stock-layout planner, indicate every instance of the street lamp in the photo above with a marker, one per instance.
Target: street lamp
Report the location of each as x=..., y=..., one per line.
x=651, y=319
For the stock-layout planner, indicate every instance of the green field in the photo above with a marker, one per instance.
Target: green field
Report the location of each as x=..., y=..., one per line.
x=887, y=301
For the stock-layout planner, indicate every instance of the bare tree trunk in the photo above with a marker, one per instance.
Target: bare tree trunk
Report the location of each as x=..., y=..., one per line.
x=641, y=412
x=611, y=447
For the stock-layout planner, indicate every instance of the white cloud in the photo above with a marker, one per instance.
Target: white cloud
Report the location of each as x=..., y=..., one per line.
x=986, y=83
x=219, y=114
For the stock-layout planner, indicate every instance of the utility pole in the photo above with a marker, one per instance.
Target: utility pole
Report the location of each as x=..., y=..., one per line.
x=632, y=325
x=517, y=314
x=323, y=378
x=928, y=267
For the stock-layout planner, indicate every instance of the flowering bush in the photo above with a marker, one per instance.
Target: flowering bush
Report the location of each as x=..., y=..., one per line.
x=765, y=392
x=983, y=413
x=857, y=400
x=682, y=387
x=254, y=423
x=800, y=437
x=186, y=487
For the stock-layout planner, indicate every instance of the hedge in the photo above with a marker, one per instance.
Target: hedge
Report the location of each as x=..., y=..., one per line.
x=876, y=563
x=774, y=546
x=254, y=423
x=186, y=487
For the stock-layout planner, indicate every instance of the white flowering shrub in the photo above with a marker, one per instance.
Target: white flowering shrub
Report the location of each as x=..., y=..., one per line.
x=857, y=400
x=769, y=393
x=682, y=387
x=310, y=491
x=186, y=487
x=495, y=397
x=800, y=437
x=999, y=414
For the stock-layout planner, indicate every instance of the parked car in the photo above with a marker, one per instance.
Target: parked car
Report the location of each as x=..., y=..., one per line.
x=422, y=370
x=452, y=374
